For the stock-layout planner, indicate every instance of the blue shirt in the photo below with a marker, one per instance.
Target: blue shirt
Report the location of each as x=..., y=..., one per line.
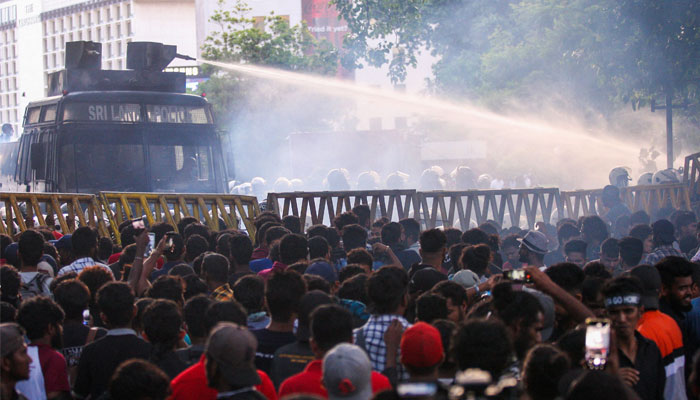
x=260, y=264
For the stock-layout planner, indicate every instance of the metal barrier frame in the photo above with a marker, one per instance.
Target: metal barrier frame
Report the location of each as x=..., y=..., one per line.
x=480, y=202
x=73, y=201
x=201, y=204
x=399, y=200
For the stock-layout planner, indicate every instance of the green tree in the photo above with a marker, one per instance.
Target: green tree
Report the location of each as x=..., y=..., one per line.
x=258, y=115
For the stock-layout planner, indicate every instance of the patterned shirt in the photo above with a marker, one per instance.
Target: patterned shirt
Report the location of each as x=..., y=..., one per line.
x=80, y=264
x=223, y=293
x=661, y=252
x=371, y=338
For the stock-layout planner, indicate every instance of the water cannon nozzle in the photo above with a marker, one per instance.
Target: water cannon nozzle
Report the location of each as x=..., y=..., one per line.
x=184, y=57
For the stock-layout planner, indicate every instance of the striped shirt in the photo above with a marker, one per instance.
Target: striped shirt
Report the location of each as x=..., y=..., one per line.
x=80, y=264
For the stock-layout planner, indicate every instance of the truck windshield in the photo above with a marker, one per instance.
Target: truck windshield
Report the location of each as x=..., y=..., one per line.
x=123, y=159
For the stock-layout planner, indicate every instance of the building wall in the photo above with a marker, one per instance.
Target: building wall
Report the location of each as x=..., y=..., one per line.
x=33, y=34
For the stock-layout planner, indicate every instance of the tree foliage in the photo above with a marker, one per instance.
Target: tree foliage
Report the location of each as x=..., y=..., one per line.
x=598, y=53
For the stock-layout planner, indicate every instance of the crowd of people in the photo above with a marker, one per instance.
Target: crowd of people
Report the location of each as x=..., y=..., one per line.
x=358, y=310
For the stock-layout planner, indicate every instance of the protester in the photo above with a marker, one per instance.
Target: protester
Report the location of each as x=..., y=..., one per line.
x=575, y=252
x=138, y=379
x=662, y=238
x=194, y=314
x=84, y=246
x=162, y=328
x=15, y=361
x=30, y=251
x=533, y=247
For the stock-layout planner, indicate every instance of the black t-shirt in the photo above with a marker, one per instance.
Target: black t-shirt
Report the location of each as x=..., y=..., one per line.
x=268, y=343
x=190, y=355
x=289, y=360
x=652, y=375
x=170, y=363
x=101, y=358
x=74, y=336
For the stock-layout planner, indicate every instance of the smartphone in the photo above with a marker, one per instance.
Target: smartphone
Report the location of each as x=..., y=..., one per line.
x=597, y=342
x=518, y=275
x=138, y=224
x=169, y=243
x=151, y=244
x=409, y=390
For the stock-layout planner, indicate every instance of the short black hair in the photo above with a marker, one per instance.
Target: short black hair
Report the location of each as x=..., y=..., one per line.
x=293, y=247
x=511, y=241
x=432, y=240
x=184, y=223
x=593, y=227
x=567, y=275
x=673, y=267
x=515, y=307
x=360, y=256
x=181, y=270
x=215, y=267
x=576, y=246
x=10, y=282
x=455, y=254
x=453, y=236
x=170, y=287
x=30, y=247
x=641, y=231
x=353, y=288
x=8, y=312
x=640, y=217
x=162, y=322
x=344, y=219
x=160, y=229
x=363, y=214
x=73, y=296
x=476, y=258
x=261, y=233
x=312, y=300
x=597, y=269
x=315, y=282
x=116, y=302
x=35, y=315
x=225, y=311
x=197, y=228
x=240, y=248
x=354, y=236
x=482, y=344
x=349, y=271
x=138, y=379
x=318, y=247
x=293, y=223
x=194, y=246
x=544, y=366
x=195, y=315
x=331, y=324
x=249, y=290
x=83, y=241
x=610, y=248
x=631, y=250
x=95, y=277
x=430, y=306
x=452, y=291
x=391, y=233
x=194, y=286
x=386, y=288
x=411, y=227
x=566, y=231
x=475, y=236
x=283, y=292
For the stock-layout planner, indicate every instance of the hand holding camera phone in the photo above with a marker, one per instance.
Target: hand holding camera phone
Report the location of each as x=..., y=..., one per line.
x=597, y=342
x=518, y=276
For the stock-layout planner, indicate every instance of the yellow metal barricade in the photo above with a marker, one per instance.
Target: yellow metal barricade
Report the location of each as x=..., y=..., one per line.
x=460, y=208
x=322, y=207
x=63, y=211
x=211, y=209
x=691, y=176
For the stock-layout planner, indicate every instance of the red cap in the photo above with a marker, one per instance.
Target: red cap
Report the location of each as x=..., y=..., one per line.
x=421, y=346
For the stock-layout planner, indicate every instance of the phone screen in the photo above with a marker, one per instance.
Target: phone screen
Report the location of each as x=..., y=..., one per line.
x=518, y=275
x=138, y=224
x=416, y=389
x=597, y=342
x=151, y=244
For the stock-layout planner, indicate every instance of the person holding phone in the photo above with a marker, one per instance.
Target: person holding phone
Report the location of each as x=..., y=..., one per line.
x=640, y=363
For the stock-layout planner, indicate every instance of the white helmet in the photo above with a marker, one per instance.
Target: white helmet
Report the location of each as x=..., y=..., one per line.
x=282, y=185
x=463, y=177
x=645, y=179
x=620, y=177
x=669, y=175
x=368, y=180
x=396, y=180
x=484, y=181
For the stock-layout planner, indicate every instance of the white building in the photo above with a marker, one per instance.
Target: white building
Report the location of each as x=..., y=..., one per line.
x=33, y=34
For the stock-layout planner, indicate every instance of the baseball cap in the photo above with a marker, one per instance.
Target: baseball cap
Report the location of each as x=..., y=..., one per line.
x=63, y=243
x=425, y=279
x=421, y=346
x=535, y=241
x=347, y=373
x=233, y=348
x=651, y=282
x=11, y=254
x=467, y=278
x=11, y=337
x=324, y=270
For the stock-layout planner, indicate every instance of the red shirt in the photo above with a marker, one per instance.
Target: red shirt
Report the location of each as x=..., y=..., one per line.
x=192, y=384
x=309, y=382
x=53, y=367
